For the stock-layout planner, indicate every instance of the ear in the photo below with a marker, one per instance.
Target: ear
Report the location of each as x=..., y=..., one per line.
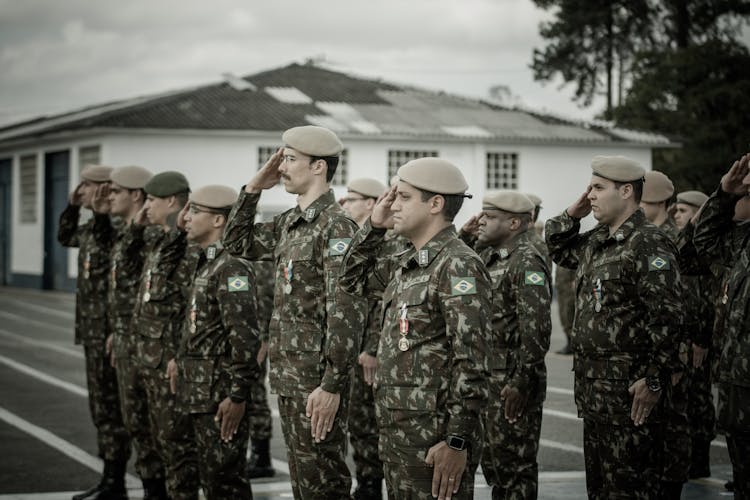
x=626, y=191
x=136, y=196
x=515, y=224
x=219, y=221
x=172, y=201
x=319, y=167
x=437, y=203
x=369, y=203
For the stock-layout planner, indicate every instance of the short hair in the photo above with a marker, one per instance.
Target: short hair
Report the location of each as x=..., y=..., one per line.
x=332, y=162
x=453, y=203
x=182, y=198
x=637, y=188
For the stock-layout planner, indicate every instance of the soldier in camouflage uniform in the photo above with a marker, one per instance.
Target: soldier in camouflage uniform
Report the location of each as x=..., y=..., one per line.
x=431, y=382
x=93, y=239
x=657, y=193
x=157, y=326
x=363, y=427
x=126, y=198
x=216, y=363
x=521, y=328
x=717, y=237
x=626, y=330
x=316, y=327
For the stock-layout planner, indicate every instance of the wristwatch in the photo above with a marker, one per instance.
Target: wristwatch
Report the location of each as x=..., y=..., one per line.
x=653, y=383
x=457, y=442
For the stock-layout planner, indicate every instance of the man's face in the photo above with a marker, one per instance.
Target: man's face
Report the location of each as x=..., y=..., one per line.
x=411, y=214
x=683, y=213
x=158, y=209
x=606, y=199
x=357, y=206
x=200, y=224
x=296, y=171
x=652, y=210
x=494, y=227
x=120, y=200
x=87, y=190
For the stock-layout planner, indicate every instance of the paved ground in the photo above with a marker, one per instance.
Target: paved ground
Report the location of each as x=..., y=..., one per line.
x=49, y=445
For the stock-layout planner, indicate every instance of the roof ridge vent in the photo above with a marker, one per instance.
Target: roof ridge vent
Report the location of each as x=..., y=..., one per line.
x=238, y=83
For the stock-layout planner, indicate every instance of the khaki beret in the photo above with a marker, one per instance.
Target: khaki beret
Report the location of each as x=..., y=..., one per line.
x=508, y=201
x=131, y=177
x=537, y=201
x=657, y=187
x=433, y=174
x=96, y=173
x=167, y=184
x=617, y=168
x=394, y=180
x=695, y=198
x=366, y=187
x=214, y=196
x=313, y=141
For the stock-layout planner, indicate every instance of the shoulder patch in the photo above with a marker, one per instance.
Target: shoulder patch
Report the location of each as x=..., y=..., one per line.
x=533, y=278
x=658, y=263
x=463, y=286
x=237, y=283
x=338, y=246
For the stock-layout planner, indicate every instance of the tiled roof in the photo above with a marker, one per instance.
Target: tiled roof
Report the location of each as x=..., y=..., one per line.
x=304, y=93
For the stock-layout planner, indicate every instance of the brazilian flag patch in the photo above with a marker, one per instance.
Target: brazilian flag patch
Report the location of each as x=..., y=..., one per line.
x=658, y=263
x=237, y=284
x=338, y=246
x=463, y=286
x=533, y=278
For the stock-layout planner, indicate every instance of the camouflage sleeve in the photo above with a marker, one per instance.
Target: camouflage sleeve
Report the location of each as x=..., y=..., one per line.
x=345, y=312
x=467, y=323
x=364, y=263
x=373, y=327
x=243, y=237
x=264, y=288
x=713, y=236
x=564, y=241
x=178, y=265
x=103, y=230
x=67, y=233
x=239, y=317
x=534, y=323
x=134, y=242
x=660, y=291
x=468, y=238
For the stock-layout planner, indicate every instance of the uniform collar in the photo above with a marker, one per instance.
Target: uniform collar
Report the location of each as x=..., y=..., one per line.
x=425, y=255
x=636, y=219
x=315, y=208
x=212, y=251
x=505, y=250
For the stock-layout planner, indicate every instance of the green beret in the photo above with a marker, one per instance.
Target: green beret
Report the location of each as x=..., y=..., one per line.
x=313, y=141
x=167, y=184
x=508, y=201
x=131, y=177
x=694, y=198
x=369, y=188
x=96, y=173
x=537, y=201
x=617, y=168
x=433, y=174
x=656, y=187
x=214, y=196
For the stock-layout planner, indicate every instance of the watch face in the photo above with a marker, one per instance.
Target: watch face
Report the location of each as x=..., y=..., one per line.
x=457, y=443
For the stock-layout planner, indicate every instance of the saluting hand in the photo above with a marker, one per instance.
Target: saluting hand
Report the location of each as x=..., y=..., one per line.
x=382, y=215
x=230, y=415
x=76, y=198
x=644, y=400
x=472, y=225
x=140, y=218
x=732, y=180
x=321, y=409
x=582, y=206
x=448, y=468
x=268, y=176
x=181, y=216
x=100, y=201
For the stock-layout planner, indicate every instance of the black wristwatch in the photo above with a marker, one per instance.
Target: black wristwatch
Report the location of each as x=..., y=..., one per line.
x=236, y=399
x=457, y=442
x=653, y=383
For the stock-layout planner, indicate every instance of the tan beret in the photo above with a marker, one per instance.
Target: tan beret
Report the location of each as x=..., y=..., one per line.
x=617, y=168
x=96, y=173
x=131, y=177
x=508, y=201
x=166, y=184
x=537, y=201
x=657, y=187
x=433, y=174
x=694, y=198
x=214, y=196
x=394, y=180
x=369, y=188
x=313, y=141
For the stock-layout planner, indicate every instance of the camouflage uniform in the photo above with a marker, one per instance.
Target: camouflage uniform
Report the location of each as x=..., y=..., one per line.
x=521, y=328
x=93, y=240
x=157, y=325
x=627, y=326
x=566, y=298
x=314, y=332
x=437, y=387
x=217, y=360
x=717, y=237
x=258, y=410
x=126, y=263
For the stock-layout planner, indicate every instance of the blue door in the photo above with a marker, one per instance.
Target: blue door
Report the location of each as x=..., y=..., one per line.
x=56, y=187
x=6, y=166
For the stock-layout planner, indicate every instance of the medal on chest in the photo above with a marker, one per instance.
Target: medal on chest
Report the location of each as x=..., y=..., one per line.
x=598, y=295
x=147, y=293
x=288, y=274
x=193, y=314
x=403, y=329
x=86, y=265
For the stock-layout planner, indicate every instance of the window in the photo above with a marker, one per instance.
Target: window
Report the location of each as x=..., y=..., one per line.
x=28, y=189
x=502, y=170
x=88, y=155
x=340, y=178
x=397, y=157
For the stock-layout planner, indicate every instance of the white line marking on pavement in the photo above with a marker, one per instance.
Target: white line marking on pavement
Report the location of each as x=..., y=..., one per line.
x=561, y=446
x=560, y=390
x=32, y=372
x=59, y=444
x=44, y=309
x=561, y=414
x=44, y=344
x=43, y=324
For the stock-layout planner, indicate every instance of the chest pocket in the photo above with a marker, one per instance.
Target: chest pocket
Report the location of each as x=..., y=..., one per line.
x=417, y=311
x=614, y=288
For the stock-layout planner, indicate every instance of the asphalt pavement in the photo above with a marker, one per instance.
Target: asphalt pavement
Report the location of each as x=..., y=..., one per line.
x=49, y=445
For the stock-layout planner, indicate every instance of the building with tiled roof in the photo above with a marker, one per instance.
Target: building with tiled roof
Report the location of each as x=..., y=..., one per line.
x=222, y=132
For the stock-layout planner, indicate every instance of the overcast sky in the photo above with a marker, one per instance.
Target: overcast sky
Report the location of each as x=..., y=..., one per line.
x=57, y=55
